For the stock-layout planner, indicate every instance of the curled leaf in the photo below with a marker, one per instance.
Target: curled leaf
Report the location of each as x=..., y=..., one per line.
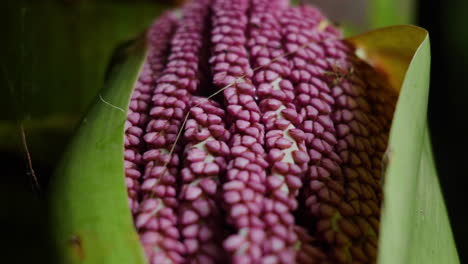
x=414, y=221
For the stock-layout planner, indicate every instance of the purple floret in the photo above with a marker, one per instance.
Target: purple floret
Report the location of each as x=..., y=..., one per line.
x=157, y=215
x=137, y=115
x=244, y=188
x=201, y=221
x=284, y=141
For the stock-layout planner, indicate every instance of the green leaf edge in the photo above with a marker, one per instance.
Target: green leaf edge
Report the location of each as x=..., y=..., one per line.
x=414, y=227
x=90, y=218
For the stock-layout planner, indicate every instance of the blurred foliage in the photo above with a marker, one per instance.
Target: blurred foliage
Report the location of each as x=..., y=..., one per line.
x=357, y=16
x=391, y=12
x=54, y=59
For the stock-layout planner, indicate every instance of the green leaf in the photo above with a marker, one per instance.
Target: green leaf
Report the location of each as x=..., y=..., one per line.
x=414, y=223
x=90, y=216
x=92, y=220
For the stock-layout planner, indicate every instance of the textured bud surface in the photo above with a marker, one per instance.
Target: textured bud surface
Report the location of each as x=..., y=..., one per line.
x=137, y=115
x=255, y=135
x=205, y=160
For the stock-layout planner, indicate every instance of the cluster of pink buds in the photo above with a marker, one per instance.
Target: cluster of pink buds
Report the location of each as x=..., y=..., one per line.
x=201, y=220
x=255, y=135
x=137, y=115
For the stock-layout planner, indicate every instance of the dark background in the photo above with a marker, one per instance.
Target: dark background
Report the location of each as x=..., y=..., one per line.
x=447, y=22
x=53, y=58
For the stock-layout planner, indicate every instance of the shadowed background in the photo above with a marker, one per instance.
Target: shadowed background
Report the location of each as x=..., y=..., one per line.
x=55, y=53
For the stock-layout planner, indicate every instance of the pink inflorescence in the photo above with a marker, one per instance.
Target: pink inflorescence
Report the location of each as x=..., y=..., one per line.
x=281, y=163
x=201, y=221
x=314, y=100
x=137, y=115
x=156, y=219
x=244, y=188
x=362, y=115
x=284, y=141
